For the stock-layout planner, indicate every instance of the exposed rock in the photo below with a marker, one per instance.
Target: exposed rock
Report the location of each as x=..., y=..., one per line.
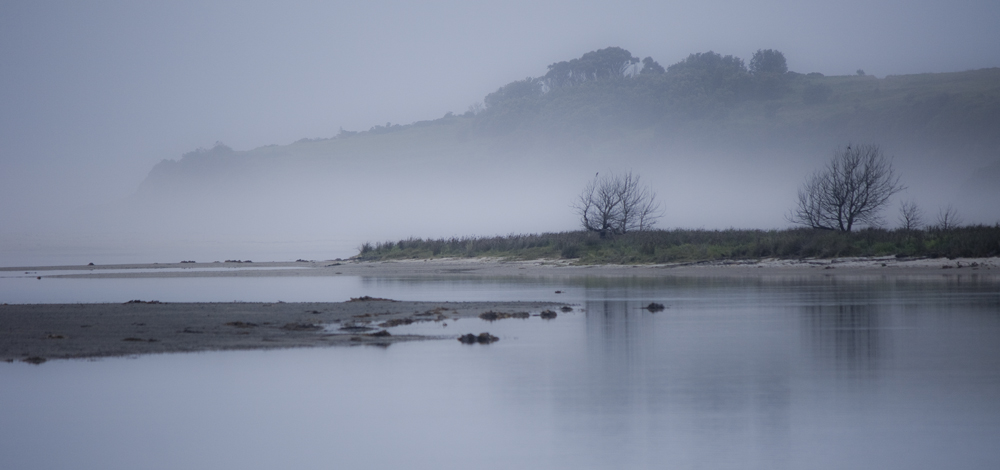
x=547, y=314
x=655, y=307
x=430, y=313
x=483, y=338
x=493, y=316
x=366, y=298
x=395, y=322
x=301, y=327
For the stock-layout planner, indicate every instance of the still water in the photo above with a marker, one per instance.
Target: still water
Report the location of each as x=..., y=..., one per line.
x=832, y=373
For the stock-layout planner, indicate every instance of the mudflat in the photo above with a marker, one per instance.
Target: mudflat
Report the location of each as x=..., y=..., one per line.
x=39, y=332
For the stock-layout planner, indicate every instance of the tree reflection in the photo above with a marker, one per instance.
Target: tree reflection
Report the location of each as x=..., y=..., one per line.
x=852, y=334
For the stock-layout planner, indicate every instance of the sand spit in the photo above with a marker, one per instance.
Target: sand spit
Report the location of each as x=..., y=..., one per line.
x=873, y=266
x=39, y=332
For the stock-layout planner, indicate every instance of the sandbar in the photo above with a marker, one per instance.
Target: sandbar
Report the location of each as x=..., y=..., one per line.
x=494, y=267
x=36, y=333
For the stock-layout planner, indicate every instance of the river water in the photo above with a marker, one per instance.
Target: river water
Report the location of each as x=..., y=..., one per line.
x=736, y=373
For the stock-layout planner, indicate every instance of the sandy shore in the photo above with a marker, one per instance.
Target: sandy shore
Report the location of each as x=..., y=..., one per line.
x=883, y=266
x=39, y=332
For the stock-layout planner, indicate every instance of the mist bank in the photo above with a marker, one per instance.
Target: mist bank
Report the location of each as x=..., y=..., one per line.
x=721, y=143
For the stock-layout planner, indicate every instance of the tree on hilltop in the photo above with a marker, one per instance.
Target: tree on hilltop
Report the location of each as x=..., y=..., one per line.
x=528, y=88
x=650, y=66
x=768, y=69
x=607, y=63
x=703, y=81
x=768, y=62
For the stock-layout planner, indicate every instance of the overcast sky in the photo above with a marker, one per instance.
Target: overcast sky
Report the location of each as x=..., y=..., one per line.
x=94, y=93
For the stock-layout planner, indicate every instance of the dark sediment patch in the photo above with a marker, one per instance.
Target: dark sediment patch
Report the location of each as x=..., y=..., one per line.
x=395, y=322
x=493, y=316
x=118, y=329
x=482, y=338
x=366, y=298
x=655, y=307
x=301, y=327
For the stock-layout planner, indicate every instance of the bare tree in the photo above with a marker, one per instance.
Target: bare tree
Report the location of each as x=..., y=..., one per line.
x=948, y=218
x=853, y=188
x=910, y=216
x=615, y=204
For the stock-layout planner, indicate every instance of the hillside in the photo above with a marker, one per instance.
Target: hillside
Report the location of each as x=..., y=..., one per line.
x=724, y=143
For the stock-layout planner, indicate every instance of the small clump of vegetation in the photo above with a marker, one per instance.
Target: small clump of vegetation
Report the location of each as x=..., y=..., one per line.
x=689, y=246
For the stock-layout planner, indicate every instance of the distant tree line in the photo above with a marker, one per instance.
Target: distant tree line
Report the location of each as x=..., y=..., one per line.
x=607, y=93
x=622, y=88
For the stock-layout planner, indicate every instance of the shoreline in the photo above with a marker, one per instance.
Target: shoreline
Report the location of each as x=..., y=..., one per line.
x=36, y=333
x=871, y=266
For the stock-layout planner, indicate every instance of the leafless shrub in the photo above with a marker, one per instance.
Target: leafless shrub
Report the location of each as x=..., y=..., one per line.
x=910, y=216
x=616, y=204
x=855, y=185
x=948, y=218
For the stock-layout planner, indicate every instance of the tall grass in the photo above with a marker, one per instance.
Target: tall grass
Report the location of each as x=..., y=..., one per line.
x=678, y=246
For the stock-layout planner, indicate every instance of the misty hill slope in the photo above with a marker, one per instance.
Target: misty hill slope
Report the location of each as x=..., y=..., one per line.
x=723, y=144
x=957, y=113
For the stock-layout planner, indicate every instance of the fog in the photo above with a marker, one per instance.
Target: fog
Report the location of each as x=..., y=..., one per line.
x=95, y=94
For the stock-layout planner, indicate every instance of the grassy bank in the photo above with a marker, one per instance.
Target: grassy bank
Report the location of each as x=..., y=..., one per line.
x=674, y=246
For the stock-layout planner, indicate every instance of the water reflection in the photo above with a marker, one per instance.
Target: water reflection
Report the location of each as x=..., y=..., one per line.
x=684, y=382
x=735, y=374
x=853, y=335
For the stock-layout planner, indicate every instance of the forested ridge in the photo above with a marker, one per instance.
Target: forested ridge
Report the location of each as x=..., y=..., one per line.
x=609, y=97
x=608, y=91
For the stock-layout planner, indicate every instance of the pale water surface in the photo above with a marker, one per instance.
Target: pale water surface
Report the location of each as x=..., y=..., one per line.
x=735, y=374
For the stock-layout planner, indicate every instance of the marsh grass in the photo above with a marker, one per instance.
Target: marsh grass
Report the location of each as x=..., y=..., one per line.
x=682, y=246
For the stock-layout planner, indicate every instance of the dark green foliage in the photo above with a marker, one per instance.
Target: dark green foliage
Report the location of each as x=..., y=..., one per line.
x=600, y=96
x=691, y=246
x=768, y=62
x=526, y=89
x=707, y=76
x=768, y=71
x=608, y=63
x=650, y=66
x=591, y=100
